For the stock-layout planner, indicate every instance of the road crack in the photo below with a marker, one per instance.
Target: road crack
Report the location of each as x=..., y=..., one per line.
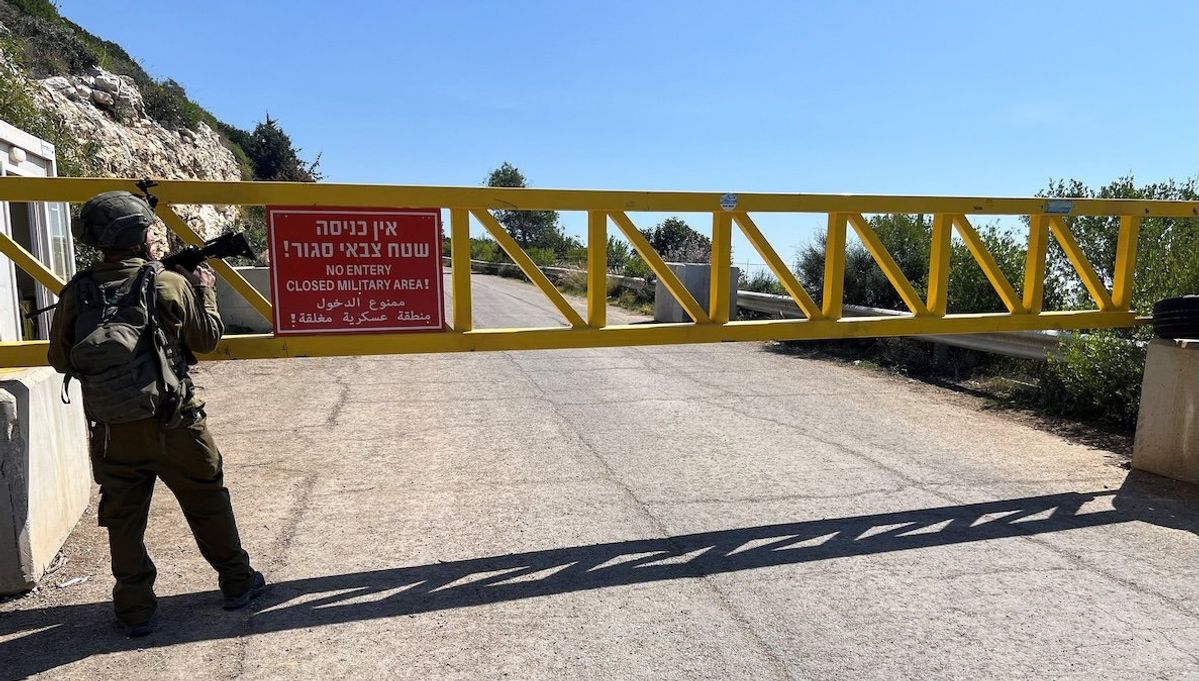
x=779, y=666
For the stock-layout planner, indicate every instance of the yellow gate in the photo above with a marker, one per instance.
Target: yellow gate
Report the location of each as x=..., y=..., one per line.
x=604, y=208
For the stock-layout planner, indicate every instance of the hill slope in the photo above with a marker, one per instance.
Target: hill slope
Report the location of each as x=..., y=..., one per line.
x=107, y=117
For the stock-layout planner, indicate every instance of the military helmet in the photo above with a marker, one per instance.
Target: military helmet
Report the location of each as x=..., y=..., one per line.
x=113, y=221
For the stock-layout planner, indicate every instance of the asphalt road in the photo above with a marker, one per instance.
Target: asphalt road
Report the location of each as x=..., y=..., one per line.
x=720, y=511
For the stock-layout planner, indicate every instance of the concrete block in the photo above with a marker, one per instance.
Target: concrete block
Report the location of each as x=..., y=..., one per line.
x=1167, y=439
x=237, y=314
x=45, y=474
x=696, y=277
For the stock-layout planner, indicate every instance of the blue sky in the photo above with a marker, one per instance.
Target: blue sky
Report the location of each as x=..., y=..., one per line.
x=919, y=97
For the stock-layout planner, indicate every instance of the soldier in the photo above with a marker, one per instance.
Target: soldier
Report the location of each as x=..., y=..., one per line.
x=124, y=329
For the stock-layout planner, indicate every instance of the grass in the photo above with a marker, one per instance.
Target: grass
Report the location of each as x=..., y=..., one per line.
x=634, y=301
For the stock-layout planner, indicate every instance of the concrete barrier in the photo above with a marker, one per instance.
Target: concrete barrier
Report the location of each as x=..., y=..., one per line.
x=696, y=277
x=1167, y=439
x=237, y=314
x=45, y=474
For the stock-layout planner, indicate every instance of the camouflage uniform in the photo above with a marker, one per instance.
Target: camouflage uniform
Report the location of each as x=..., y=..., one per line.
x=127, y=458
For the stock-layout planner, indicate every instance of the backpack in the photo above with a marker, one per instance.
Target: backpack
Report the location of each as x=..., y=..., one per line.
x=123, y=360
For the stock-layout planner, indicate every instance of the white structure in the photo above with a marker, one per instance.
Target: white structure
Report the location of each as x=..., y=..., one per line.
x=45, y=477
x=43, y=229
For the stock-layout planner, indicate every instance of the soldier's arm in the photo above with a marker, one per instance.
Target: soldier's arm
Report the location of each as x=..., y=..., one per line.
x=62, y=331
x=190, y=309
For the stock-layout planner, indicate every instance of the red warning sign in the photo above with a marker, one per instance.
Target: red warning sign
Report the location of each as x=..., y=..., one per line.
x=355, y=270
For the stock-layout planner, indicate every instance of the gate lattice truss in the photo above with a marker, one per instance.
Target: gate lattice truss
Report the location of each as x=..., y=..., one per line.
x=604, y=208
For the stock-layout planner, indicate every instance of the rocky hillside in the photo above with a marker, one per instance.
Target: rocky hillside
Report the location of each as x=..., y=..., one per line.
x=108, y=111
x=108, y=118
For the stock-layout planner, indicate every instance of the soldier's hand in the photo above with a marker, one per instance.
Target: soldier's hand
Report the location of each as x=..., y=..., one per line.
x=202, y=276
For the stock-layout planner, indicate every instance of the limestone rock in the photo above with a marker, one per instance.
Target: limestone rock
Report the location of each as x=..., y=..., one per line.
x=112, y=116
x=63, y=86
x=57, y=84
x=129, y=104
x=108, y=83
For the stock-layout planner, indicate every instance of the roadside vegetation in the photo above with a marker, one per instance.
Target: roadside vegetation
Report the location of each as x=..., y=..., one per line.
x=1098, y=375
x=541, y=235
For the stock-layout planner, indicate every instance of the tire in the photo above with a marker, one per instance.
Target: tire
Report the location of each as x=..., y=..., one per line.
x=1176, y=317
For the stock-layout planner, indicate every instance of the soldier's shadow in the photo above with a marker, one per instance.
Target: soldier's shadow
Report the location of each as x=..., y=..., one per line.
x=40, y=640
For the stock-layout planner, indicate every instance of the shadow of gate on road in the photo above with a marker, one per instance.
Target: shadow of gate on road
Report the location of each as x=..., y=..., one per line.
x=44, y=639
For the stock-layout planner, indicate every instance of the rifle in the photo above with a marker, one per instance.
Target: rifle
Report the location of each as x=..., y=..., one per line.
x=224, y=246
x=228, y=245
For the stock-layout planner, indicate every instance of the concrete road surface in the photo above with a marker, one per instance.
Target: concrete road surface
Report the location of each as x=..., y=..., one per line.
x=720, y=511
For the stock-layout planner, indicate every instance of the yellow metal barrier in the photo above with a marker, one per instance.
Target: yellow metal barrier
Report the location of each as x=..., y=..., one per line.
x=1046, y=217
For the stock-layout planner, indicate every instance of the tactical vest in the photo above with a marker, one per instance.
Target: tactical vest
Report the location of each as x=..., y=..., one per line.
x=128, y=367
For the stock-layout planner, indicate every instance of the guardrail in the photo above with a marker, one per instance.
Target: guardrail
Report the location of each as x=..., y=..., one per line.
x=555, y=273
x=1035, y=345
x=1038, y=345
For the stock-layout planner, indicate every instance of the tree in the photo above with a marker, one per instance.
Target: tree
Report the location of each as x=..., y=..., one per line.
x=1166, y=261
x=675, y=241
x=618, y=254
x=273, y=158
x=906, y=237
x=1099, y=373
x=530, y=228
x=969, y=289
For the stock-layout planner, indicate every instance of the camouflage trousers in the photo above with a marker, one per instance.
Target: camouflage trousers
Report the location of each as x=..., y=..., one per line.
x=127, y=459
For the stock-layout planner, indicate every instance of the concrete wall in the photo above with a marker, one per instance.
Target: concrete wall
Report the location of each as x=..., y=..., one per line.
x=45, y=474
x=237, y=314
x=1167, y=439
x=696, y=277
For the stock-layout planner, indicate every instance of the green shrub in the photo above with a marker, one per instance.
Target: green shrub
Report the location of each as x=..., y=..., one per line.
x=638, y=301
x=619, y=254
x=43, y=47
x=542, y=257
x=969, y=289
x=575, y=256
x=1097, y=376
x=42, y=9
x=236, y=140
x=636, y=267
x=168, y=103
x=761, y=282
x=486, y=250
